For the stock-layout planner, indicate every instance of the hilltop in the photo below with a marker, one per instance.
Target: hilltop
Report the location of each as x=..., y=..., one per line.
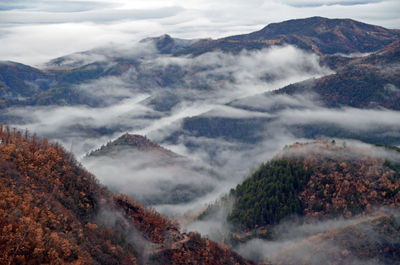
x=56, y=82
x=131, y=142
x=317, y=179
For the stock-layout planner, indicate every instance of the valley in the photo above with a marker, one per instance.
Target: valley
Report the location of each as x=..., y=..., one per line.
x=280, y=146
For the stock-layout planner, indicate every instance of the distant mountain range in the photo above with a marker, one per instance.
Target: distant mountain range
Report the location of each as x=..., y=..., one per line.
x=365, y=81
x=321, y=35
x=56, y=84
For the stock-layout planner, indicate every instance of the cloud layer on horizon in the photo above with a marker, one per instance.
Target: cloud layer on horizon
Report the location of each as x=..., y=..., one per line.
x=33, y=32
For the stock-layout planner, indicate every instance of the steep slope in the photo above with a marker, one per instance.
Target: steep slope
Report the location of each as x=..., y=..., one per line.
x=317, y=34
x=53, y=211
x=59, y=83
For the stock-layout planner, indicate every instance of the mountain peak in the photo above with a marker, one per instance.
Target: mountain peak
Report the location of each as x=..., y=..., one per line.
x=132, y=142
x=307, y=25
x=135, y=140
x=321, y=35
x=166, y=44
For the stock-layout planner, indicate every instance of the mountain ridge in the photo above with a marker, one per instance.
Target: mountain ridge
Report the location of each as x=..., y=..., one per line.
x=317, y=34
x=58, y=85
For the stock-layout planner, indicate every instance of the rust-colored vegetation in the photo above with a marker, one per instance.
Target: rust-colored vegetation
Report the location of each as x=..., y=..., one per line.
x=51, y=213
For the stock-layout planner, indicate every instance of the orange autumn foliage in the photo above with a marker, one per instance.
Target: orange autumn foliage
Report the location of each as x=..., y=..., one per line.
x=50, y=213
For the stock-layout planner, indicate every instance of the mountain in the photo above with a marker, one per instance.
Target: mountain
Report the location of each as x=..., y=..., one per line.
x=317, y=202
x=54, y=211
x=60, y=81
x=364, y=82
x=317, y=179
x=317, y=34
x=169, y=178
x=131, y=142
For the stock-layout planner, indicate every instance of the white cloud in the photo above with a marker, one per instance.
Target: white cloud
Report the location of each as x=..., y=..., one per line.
x=152, y=177
x=350, y=118
x=41, y=30
x=230, y=112
x=314, y=242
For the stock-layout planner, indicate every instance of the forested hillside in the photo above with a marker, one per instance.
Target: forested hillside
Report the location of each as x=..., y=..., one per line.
x=54, y=211
x=316, y=179
x=225, y=107
x=270, y=194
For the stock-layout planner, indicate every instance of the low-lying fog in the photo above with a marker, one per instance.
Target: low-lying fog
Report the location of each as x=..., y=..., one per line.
x=214, y=87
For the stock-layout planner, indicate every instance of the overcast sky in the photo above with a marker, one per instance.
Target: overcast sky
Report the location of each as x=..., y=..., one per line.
x=34, y=31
